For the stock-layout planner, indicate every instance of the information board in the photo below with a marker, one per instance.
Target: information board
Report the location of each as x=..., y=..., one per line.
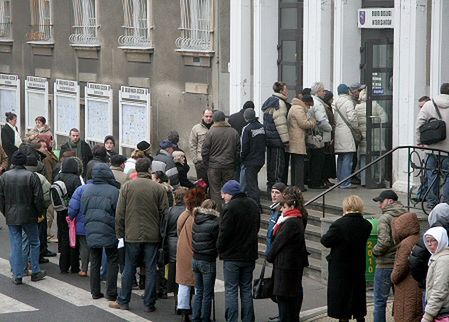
x=36, y=100
x=98, y=120
x=9, y=96
x=135, y=116
x=67, y=106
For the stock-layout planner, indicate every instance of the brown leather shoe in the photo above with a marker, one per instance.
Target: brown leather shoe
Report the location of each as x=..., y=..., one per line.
x=116, y=305
x=82, y=274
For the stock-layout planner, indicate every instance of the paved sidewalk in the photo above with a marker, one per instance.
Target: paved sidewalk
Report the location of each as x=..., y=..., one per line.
x=368, y=317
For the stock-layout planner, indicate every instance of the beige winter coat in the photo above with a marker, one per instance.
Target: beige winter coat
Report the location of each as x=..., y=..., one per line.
x=298, y=122
x=184, y=251
x=196, y=139
x=344, y=142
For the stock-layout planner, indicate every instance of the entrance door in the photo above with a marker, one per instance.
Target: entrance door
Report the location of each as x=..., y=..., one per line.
x=377, y=74
x=290, y=44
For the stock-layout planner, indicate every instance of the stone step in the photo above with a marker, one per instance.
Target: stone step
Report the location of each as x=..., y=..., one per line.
x=313, y=233
x=314, y=248
x=314, y=269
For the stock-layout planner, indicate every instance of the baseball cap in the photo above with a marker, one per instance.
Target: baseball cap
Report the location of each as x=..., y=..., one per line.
x=357, y=87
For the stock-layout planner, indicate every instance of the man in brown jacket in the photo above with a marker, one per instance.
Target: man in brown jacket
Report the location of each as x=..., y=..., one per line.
x=220, y=154
x=139, y=212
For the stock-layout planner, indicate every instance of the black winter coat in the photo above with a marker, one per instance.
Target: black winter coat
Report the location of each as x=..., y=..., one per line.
x=70, y=175
x=21, y=197
x=289, y=257
x=252, y=143
x=8, y=139
x=184, y=181
x=237, y=121
x=171, y=240
x=205, y=234
x=86, y=153
x=346, y=292
x=239, y=226
x=98, y=203
x=91, y=164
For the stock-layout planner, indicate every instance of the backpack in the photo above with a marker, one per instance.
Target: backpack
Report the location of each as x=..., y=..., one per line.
x=58, y=195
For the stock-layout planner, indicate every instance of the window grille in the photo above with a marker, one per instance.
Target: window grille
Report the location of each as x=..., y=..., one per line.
x=41, y=21
x=196, y=25
x=137, y=24
x=5, y=20
x=85, y=27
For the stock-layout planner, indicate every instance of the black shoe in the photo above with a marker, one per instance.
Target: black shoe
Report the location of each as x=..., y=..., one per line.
x=162, y=296
x=48, y=253
x=141, y=281
x=17, y=281
x=43, y=260
x=185, y=317
x=150, y=308
x=273, y=319
x=38, y=276
x=97, y=296
x=355, y=180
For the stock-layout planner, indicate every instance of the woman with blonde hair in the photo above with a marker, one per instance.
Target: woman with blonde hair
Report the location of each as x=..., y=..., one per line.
x=347, y=237
x=130, y=164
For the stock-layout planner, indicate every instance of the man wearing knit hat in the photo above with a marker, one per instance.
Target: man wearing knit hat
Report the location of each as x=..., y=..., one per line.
x=145, y=147
x=22, y=202
x=237, y=247
x=275, y=211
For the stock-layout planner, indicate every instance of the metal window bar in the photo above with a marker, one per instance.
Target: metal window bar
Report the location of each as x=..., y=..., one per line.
x=85, y=23
x=196, y=25
x=41, y=24
x=136, y=27
x=5, y=20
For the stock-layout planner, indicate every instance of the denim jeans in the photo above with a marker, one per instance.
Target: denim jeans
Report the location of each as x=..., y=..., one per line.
x=238, y=274
x=204, y=273
x=382, y=287
x=132, y=251
x=433, y=163
x=344, y=167
x=15, y=241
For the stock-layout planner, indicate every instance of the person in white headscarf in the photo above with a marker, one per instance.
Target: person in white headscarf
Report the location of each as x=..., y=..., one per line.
x=437, y=281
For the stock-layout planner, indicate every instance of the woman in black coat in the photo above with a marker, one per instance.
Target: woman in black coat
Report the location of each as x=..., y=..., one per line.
x=289, y=256
x=347, y=238
x=10, y=135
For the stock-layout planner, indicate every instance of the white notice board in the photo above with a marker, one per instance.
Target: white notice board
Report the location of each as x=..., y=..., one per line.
x=9, y=96
x=135, y=116
x=36, y=100
x=98, y=120
x=67, y=106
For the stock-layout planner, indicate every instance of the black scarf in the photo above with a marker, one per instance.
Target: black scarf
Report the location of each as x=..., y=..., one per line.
x=207, y=125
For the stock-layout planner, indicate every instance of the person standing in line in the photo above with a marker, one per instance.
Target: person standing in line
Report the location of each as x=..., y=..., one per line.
x=117, y=167
x=10, y=135
x=40, y=132
x=81, y=148
x=163, y=161
x=140, y=209
x=98, y=203
x=420, y=194
x=238, y=248
x=330, y=169
x=109, y=144
x=204, y=240
x=21, y=202
x=196, y=139
x=100, y=155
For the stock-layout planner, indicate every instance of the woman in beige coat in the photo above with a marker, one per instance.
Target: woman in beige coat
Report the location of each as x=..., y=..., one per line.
x=298, y=122
x=184, y=251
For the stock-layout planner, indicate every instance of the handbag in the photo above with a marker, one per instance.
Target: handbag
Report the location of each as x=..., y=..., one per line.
x=72, y=231
x=263, y=287
x=434, y=130
x=314, y=139
x=356, y=133
x=162, y=256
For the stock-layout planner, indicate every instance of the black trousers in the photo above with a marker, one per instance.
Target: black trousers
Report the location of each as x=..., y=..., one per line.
x=42, y=227
x=252, y=183
x=95, y=264
x=316, y=163
x=69, y=258
x=297, y=170
x=201, y=171
x=289, y=308
x=275, y=166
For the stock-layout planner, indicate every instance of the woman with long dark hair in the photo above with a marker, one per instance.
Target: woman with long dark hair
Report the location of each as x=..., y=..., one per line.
x=10, y=135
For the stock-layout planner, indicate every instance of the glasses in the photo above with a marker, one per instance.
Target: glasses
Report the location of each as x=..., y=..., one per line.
x=431, y=241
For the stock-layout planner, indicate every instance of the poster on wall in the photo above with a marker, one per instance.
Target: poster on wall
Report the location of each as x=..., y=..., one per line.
x=67, y=106
x=36, y=100
x=135, y=116
x=98, y=120
x=9, y=96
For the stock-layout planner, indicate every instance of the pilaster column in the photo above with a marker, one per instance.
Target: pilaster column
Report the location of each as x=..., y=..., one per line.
x=439, y=44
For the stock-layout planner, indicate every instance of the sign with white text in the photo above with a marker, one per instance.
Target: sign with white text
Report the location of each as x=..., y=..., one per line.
x=376, y=18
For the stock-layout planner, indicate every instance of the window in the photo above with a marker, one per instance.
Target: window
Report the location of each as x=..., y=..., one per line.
x=137, y=24
x=41, y=21
x=85, y=27
x=196, y=25
x=5, y=20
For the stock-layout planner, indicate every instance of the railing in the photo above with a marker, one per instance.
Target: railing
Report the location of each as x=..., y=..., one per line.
x=40, y=33
x=435, y=161
x=135, y=37
x=84, y=35
x=5, y=31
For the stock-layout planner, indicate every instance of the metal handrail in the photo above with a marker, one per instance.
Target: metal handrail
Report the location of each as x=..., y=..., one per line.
x=380, y=158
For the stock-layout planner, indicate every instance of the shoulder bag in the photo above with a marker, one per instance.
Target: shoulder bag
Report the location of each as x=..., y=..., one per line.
x=434, y=130
x=356, y=133
x=263, y=287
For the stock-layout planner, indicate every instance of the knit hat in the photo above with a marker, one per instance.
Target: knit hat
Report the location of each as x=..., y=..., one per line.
x=165, y=144
x=173, y=136
x=19, y=158
x=218, y=116
x=386, y=194
x=249, y=115
x=357, y=87
x=328, y=95
x=279, y=186
x=342, y=89
x=109, y=137
x=143, y=145
x=231, y=187
x=248, y=104
x=31, y=161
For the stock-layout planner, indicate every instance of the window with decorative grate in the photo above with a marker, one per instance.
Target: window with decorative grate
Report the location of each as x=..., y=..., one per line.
x=5, y=20
x=196, y=26
x=137, y=24
x=85, y=23
x=41, y=21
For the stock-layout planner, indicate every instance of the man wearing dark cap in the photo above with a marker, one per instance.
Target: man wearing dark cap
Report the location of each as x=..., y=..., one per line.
x=385, y=250
x=163, y=161
x=252, y=155
x=117, y=166
x=22, y=202
x=237, y=247
x=355, y=90
x=237, y=120
x=220, y=153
